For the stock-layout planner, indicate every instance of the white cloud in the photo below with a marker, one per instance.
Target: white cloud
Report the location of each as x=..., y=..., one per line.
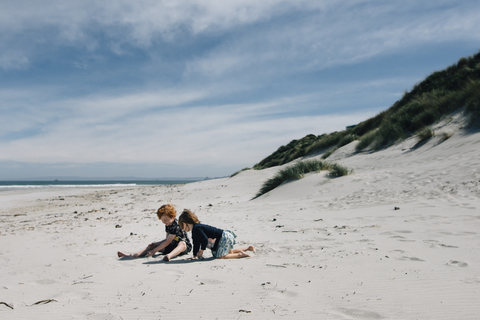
x=136, y=128
x=13, y=60
x=295, y=34
x=142, y=20
x=338, y=37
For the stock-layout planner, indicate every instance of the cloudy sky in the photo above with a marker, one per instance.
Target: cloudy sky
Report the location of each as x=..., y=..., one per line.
x=204, y=88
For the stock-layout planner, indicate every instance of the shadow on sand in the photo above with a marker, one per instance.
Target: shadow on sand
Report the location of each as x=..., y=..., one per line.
x=180, y=261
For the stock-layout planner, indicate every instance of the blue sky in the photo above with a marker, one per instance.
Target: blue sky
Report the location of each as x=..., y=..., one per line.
x=205, y=88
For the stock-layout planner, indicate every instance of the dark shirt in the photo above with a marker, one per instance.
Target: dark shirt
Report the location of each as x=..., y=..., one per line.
x=180, y=235
x=200, y=235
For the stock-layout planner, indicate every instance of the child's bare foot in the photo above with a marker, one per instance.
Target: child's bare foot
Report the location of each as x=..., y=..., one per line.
x=121, y=254
x=251, y=248
x=166, y=258
x=243, y=254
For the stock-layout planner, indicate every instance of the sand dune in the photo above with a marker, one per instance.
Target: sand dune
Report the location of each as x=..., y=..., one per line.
x=398, y=239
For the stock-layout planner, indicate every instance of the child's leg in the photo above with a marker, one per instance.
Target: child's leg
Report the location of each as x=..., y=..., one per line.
x=251, y=248
x=175, y=252
x=140, y=253
x=236, y=255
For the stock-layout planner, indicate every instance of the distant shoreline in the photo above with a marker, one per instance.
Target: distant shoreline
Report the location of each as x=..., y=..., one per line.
x=38, y=184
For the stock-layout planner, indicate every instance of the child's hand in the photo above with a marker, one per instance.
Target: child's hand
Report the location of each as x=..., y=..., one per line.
x=196, y=258
x=151, y=246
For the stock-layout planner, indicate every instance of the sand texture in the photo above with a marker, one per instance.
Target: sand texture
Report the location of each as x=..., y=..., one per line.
x=398, y=239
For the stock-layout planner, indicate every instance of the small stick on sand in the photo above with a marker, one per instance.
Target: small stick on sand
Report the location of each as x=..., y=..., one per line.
x=246, y=311
x=44, y=301
x=8, y=305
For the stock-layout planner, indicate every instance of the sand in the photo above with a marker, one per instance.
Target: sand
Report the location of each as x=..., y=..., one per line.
x=398, y=239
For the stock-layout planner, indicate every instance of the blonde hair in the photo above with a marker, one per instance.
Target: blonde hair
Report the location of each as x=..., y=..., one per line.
x=187, y=217
x=168, y=210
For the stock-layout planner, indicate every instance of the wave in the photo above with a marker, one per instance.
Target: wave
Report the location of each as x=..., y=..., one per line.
x=9, y=187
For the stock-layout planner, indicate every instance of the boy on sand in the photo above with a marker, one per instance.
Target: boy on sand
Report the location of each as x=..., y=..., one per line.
x=175, y=243
x=219, y=241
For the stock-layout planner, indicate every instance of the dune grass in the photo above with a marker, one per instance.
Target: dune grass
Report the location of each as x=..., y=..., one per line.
x=338, y=170
x=325, y=141
x=445, y=136
x=298, y=171
x=425, y=134
x=244, y=169
x=421, y=112
x=329, y=152
x=285, y=154
x=473, y=104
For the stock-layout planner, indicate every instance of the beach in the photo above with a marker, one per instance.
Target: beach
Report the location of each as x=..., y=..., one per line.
x=397, y=239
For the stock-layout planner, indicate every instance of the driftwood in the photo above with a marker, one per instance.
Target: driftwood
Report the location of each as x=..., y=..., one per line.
x=246, y=311
x=44, y=302
x=8, y=305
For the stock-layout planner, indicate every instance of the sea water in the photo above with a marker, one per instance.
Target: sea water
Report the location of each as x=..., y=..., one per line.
x=15, y=185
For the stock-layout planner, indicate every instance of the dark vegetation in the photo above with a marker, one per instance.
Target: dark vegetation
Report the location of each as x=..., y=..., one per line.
x=437, y=96
x=244, y=169
x=298, y=170
x=285, y=154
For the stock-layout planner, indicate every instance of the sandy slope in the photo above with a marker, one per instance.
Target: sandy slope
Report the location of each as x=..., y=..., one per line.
x=327, y=248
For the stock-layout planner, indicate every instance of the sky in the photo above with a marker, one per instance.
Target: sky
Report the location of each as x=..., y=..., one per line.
x=161, y=89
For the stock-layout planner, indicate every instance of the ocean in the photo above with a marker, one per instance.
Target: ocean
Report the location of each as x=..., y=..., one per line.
x=13, y=185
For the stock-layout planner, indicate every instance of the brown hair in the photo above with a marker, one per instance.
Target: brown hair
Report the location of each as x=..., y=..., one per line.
x=187, y=217
x=168, y=210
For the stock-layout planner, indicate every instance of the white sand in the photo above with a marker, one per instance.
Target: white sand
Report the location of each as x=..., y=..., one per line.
x=327, y=248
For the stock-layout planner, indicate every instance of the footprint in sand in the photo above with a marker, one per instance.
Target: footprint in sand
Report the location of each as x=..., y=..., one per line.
x=455, y=263
x=447, y=246
x=435, y=243
x=472, y=280
x=411, y=259
x=360, y=314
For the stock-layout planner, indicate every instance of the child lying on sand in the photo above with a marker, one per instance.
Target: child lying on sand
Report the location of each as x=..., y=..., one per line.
x=219, y=241
x=175, y=243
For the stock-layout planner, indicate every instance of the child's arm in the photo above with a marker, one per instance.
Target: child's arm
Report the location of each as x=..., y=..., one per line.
x=162, y=245
x=199, y=254
x=200, y=241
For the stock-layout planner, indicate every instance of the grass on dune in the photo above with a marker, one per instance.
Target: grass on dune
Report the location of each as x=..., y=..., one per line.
x=445, y=136
x=329, y=152
x=338, y=171
x=298, y=170
x=234, y=174
x=421, y=112
x=425, y=134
